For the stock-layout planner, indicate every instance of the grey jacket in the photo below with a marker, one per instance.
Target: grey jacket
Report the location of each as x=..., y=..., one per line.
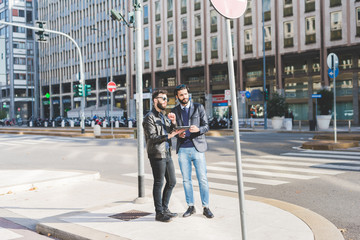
x=155, y=139
x=197, y=117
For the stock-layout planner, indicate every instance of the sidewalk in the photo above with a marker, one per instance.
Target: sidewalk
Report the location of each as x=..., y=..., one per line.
x=68, y=205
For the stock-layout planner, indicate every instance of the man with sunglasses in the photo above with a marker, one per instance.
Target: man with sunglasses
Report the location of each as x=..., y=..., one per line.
x=191, y=146
x=159, y=130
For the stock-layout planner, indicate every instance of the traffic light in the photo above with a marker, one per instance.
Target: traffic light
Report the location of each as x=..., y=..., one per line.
x=87, y=90
x=80, y=90
x=131, y=17
x=42, y=35
x=76, y=90
x=266, y=95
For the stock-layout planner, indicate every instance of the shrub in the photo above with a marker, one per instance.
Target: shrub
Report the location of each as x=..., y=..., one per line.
x=277, y=106
x=326, y=102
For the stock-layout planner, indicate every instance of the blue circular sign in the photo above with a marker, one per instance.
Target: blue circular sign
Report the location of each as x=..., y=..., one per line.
x=332, y=74
x=248, y=94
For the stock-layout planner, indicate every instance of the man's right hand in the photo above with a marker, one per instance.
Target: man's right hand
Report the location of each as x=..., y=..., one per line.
x=176, y=132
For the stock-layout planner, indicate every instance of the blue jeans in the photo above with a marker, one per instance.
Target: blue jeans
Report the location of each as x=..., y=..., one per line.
x=187, y=156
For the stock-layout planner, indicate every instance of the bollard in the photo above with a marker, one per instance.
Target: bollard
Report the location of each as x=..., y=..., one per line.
x=92, y=124
x=45, y=124
x=116, y=124
x=135, y=133
x=104, y=124
x=299, y=125
x=349, y=125
x=62, y=123
x=71, y=123
x=53, y=123
x=30, y=124
x=97, y=130
x=130, y=124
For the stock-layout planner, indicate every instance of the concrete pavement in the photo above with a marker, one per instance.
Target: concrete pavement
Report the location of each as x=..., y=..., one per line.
x=79, y=205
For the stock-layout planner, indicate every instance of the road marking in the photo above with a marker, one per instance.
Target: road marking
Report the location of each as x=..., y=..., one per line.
x=342, y=167
x=332, y=152
x=321, y=155
x=261, y=173
x=8, y=235
x=297, y=159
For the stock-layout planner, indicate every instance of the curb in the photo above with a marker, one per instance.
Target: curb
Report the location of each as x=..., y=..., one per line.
x=329, y=145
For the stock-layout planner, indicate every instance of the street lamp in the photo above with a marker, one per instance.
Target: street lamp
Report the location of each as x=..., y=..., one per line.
x=107, y=74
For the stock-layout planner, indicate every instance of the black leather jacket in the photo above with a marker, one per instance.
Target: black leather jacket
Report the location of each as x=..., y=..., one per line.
x=155, y=139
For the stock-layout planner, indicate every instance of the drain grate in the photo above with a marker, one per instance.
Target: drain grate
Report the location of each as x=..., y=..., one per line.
x=130, y=215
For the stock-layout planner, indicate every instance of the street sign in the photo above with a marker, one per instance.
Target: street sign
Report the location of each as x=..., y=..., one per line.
x=248, y=94
x=332, y=74
x=230, y=8
x=316, y=96
x=111, y=86
x=227, y=95
x=332, y=61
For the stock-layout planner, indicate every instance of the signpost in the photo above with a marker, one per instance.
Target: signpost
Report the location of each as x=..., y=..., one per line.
x=232, y=9
x=333, y=64
x=111, y=86
x=316, y=96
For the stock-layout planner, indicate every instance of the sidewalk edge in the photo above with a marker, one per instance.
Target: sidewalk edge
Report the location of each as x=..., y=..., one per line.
x=322, y=228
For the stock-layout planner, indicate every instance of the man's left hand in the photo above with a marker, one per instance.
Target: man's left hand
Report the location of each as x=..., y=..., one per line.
x=194, y=129
x=172, y=117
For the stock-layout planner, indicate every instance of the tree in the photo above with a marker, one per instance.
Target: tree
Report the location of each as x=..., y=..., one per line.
x=326, y=101
x=2, y=114
x=277, y=106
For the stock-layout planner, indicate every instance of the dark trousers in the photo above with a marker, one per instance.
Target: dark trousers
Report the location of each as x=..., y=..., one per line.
x=162, y=167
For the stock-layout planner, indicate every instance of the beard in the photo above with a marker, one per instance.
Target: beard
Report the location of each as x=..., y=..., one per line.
x=184, y=101
x=160, y=106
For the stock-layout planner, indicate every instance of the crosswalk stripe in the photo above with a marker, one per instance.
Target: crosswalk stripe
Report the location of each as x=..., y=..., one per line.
x=321, y=155
x=342, y=167
x=212, y=185
x=305, y=159
x=261, y=173
x=8, y=235
x=332, y=152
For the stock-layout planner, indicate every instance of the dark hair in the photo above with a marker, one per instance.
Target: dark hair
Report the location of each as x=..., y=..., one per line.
x=157, y=92
x=180, y=87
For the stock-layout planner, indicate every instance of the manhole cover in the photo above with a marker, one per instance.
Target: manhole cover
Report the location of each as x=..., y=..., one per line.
x=130, y=215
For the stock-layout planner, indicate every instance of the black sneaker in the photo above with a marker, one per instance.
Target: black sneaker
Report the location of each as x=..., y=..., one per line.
x=167, y=212
x=162, y=217
x=207, y=213
x=191, y=210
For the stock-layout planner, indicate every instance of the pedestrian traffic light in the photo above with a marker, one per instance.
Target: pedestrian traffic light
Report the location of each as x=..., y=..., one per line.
x=87, y=90
x=76, y=90
x=42, y=35
x=266, y=95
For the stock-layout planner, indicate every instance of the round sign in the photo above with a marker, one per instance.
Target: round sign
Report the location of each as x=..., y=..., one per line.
x=230, y=8
x=111, y=87
x=248, y=94
x=332, y=74
x=332, y=61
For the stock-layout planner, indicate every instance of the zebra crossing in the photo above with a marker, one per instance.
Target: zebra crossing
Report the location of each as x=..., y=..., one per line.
x=32, y=140
x=274, y=170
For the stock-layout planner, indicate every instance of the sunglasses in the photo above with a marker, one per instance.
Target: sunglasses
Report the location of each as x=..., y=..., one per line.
x=163, y=98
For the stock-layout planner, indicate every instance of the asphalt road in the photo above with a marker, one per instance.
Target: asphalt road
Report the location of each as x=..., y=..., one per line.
x=334, y=194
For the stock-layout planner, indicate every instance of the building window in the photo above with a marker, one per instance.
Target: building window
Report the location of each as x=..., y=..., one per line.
x=198, y=50
x=170, y=29
x=197, y=5
x=288, y=34
x=309, y=5
x=335, y=3
x=184, y=52
x=288, y=8
x=310, y=34
x=336, y=25
x=158, y=57
x=171, y=55
x=248, y=15
x=183, y=6
x=248, y=41
x=214, y=47
x=146, y=37
x=146, y=14
x=184, y=28
x=197, y=24
x=267, y=38
x=158, y=33
x=146, y=59
x=213, y=21
x=267, y=11
x=358, y=22
x=170, y=8
x=157, y=11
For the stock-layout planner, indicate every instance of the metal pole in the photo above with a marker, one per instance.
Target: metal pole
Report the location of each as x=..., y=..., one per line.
x=139, y=97
x=264, y=68
x=82, y=75
x=335, y=133
x=111, y=122
x=236, y=129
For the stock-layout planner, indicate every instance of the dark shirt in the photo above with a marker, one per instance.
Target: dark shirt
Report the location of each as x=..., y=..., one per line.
x=187, y=143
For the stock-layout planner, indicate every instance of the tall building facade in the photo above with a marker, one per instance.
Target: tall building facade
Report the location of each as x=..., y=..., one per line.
x=18, y=59
x=185, y=42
